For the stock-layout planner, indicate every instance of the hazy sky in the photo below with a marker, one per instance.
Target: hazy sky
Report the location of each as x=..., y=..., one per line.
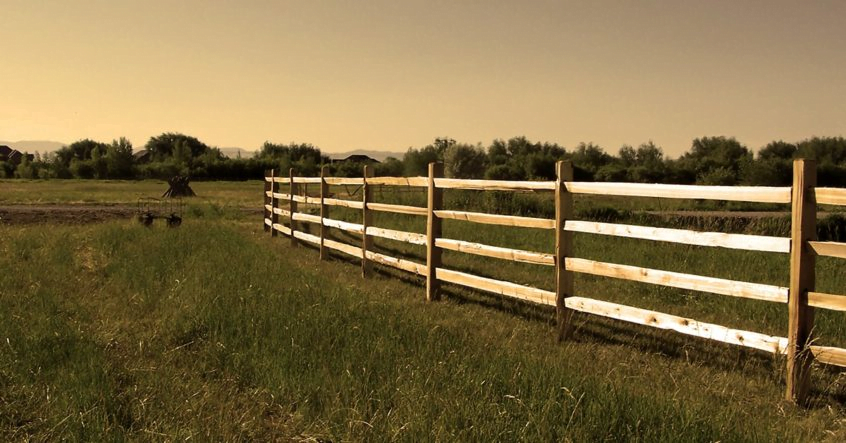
x=392, y=74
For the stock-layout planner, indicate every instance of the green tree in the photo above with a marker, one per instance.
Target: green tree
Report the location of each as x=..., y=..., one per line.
x=119, y=159
x=391, y=167
x=303, y=157
x=163, y=146
x=588, y=158
x=417, y=161
x=713, y=159
x=25, y=169
x=464, y=161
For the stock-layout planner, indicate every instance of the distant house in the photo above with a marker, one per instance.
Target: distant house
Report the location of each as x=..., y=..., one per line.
x=13, y=156
x=5, y=152
x=356, y=158
x=142, y=156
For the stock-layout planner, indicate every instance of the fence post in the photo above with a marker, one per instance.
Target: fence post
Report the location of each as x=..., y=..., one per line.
x=274, y=203
x=366, y=220
x=563, y=248
x=433, y=232
x=266, y=202
x=292, y=205
x=803, y=228
x=324, y=212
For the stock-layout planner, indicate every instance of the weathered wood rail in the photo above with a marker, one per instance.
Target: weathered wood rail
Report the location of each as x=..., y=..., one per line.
x=802, y=248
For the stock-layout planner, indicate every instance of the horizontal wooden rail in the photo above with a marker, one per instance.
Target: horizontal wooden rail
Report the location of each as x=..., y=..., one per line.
x=356, y=228
x=763, y=342
x=336, y=181
x=282, y=228
x=305, y=179
x=396, y=209
x=307, y=237
x=492, y=219
x=831, y=196
x=829, y=355
x=828, y=248
x=268, y=222
x=509, y=289
x=354, y=251
x=827, y=301
x=695, y=238
x=354, y=204
x=282, y=212
x=404, y=265
x=494, y=185
x=757, y=194
x=496, y=252
x=691, y=282
x=420, y=182
x=408, y=237
x=299, y=216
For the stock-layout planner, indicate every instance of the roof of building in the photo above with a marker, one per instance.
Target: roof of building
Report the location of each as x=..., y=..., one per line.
x=359, y=158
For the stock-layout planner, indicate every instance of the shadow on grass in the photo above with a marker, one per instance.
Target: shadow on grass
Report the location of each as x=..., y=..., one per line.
x=827, y=389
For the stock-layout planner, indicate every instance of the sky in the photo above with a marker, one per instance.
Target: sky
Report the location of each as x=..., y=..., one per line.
x=389, y=75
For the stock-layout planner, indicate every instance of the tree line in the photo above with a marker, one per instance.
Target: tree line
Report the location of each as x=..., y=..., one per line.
x=717, y=160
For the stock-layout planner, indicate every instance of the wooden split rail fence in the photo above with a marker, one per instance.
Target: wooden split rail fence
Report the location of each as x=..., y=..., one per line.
x=802, y=247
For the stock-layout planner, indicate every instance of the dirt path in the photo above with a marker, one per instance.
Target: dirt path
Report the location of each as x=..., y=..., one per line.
x=63, y=214
x=71, y=214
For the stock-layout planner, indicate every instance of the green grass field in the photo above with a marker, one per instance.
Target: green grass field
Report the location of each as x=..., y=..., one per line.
x=215, y=331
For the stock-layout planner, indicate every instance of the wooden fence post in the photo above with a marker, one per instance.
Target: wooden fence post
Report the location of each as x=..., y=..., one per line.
x=274, y=203
x=367, y=220
x=324, y=212
x=563, y=248
x=266, y=202
x=803, y=228
x=292, y=206
x=433, y=232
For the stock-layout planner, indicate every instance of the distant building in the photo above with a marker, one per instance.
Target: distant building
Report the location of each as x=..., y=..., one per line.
x=356, y=158
x=142, y=156
x=13, y=156
x=5, y=152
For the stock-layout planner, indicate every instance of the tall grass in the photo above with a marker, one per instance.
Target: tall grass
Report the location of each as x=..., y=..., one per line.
x=216, y=332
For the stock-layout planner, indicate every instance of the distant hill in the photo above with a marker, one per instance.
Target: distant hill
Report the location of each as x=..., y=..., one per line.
x=33, y=146
x=378, y=155
x=233, y=152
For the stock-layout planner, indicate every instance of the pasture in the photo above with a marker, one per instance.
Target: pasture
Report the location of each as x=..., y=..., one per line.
x=216, y=331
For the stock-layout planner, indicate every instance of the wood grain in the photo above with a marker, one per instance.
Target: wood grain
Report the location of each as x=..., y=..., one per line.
x=759, y=194
x=695, y=238
x=496, y=252
x=397, y=209
x=831, y=196
x=691, y=282
x=408, y=237
x=494, y=185
x=503, y=220
x=509, y=289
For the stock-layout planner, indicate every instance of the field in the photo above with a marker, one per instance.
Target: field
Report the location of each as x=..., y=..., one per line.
x=215, y=331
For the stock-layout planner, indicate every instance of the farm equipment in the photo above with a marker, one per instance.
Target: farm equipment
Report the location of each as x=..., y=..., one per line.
x=170, y=210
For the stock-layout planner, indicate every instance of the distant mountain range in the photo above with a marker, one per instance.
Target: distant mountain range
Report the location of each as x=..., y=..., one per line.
x=378, y=155
x=33, y=146
x=237, y=152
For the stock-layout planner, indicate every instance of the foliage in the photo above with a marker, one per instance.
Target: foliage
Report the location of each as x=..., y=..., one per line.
x=717, y=160
x=464, y=161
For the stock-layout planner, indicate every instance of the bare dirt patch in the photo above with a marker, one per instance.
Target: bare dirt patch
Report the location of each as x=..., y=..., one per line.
x=63, y=214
